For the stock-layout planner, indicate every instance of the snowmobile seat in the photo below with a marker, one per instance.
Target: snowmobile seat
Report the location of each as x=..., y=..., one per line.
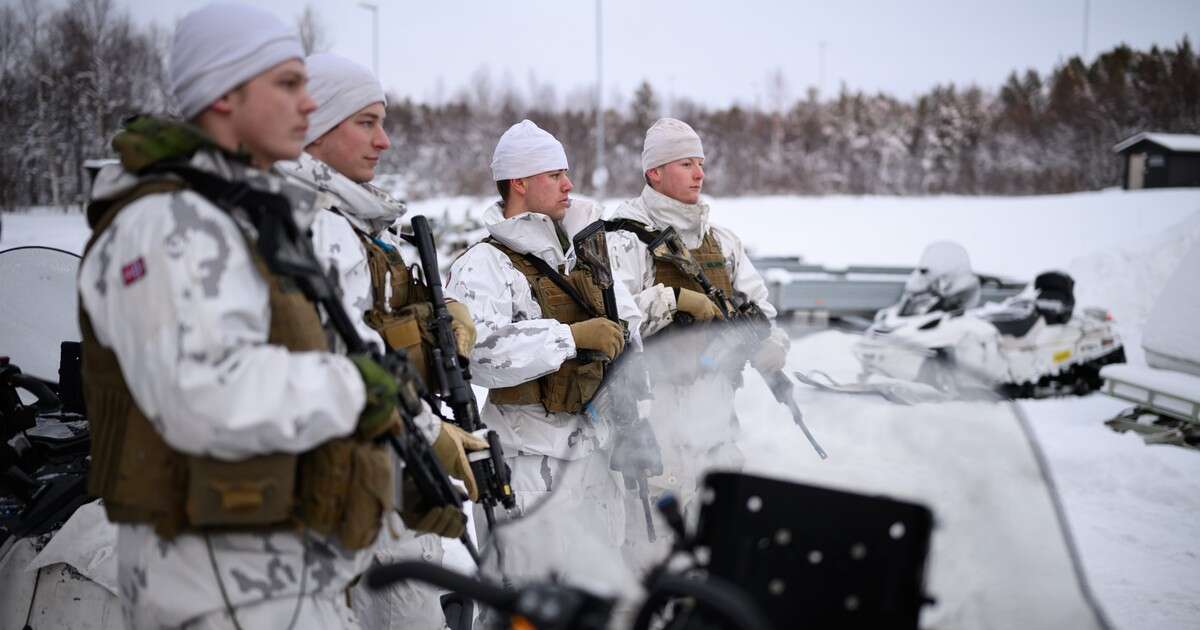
x=1016, y=320
x=814, y=557
x=1056, y=296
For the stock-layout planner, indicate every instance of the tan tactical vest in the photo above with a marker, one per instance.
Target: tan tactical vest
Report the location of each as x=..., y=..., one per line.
x=342, y=487
x=574, y=384
x=712, y=262
x=403, y=318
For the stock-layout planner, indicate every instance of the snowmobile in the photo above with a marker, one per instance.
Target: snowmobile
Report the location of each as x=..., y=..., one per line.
x=52, y=536
x=1032, y=345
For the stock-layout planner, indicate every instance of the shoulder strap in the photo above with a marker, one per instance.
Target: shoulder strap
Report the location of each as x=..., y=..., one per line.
x=545, y=269
x=644, y=233
x=557, y=278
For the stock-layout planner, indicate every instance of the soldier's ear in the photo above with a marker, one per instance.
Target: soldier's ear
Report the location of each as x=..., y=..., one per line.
x=518, y=186
x=223, y=105
x=654, y=175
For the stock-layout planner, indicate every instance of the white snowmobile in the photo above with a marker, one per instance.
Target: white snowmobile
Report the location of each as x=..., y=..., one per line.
x=1034, y=344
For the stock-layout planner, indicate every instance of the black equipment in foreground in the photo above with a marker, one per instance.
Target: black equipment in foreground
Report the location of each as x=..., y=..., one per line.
x=626, y=383
x=452, y=385
x=43, y=452
x=743, y=331
x=760, y=558
x=813, y=557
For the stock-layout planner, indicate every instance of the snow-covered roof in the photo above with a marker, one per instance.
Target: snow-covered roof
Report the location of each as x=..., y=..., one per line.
x=1172, y=141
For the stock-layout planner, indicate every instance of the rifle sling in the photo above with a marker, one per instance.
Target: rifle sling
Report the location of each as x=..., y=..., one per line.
x=557, y=278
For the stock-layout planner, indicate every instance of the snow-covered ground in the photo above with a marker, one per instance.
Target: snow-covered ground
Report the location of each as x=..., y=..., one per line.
x=1132, y=508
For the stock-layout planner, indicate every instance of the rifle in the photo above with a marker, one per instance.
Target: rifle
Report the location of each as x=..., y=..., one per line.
x=746, y=326
x=451, y=381
x=288, y=252
x=626, y=381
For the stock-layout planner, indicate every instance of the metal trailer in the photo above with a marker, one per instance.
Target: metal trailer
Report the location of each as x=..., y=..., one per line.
x=817, y=294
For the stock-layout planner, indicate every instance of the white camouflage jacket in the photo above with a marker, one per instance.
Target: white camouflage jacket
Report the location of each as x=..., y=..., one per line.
x=171, y=288
x=343, y=207
x=515, y=343
x=634, y=266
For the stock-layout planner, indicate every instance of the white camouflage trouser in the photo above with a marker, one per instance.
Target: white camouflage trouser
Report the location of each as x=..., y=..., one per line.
x=696, y=431
x=322, y=612
x=409, y=605
x=583, y=495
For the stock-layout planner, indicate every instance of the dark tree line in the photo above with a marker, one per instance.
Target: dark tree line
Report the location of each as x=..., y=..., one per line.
x=68, y=77
x=70, y=74
x=1035, y=134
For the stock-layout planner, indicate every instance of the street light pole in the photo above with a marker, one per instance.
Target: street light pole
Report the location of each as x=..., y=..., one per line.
x=600, y=174
x=374, y=9
x=1087, y=10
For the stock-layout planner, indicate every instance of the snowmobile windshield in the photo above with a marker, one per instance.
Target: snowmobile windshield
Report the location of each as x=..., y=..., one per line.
x=1000, y=553
x=38, y=307
x=919, y=303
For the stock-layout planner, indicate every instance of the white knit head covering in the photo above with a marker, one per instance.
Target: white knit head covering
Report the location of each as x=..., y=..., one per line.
x=667, y=140
x=221, y=46
x=340, y=87
x=526, y=149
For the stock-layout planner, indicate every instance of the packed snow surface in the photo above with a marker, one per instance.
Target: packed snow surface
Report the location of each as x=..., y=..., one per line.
x=1131, y=508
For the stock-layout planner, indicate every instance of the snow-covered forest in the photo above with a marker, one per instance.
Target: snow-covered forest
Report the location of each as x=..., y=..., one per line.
x=70, y=72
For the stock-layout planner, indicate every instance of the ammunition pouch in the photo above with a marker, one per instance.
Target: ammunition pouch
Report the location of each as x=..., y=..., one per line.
x=400, y=310
x=408, y=329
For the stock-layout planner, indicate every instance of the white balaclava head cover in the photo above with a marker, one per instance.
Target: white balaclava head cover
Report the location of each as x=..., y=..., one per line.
x=221, y=46
x=667, y=140
x=340, y=87
x=526, y=149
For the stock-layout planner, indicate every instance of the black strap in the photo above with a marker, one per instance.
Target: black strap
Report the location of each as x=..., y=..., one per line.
x=644, y=233
x=545, y=269
x=557, y=278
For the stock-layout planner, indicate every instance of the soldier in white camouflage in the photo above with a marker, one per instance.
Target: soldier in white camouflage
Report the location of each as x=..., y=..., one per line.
x=237, y=454
x=693, y=412
x=532, y=337
x=356, y=236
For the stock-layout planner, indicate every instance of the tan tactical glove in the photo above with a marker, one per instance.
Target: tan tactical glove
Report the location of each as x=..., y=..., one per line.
x=599, y=333
x=771, y=357
x=697, y=305
x=463, y=327
x=451, y=447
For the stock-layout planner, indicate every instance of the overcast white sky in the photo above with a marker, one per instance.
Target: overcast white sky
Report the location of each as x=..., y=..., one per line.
x=721, y=51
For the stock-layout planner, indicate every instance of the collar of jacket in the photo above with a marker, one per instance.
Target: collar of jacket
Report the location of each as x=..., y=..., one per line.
x=689, y=220
x=368, y=208
x=113, y=182
x=527, y=233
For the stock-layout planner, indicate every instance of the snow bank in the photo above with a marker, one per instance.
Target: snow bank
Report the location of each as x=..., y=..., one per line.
x=1013, y=236
x=1127, y=279
x=1170, y=338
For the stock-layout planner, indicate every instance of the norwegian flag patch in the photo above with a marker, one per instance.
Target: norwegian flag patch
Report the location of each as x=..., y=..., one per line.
x=133, y=271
